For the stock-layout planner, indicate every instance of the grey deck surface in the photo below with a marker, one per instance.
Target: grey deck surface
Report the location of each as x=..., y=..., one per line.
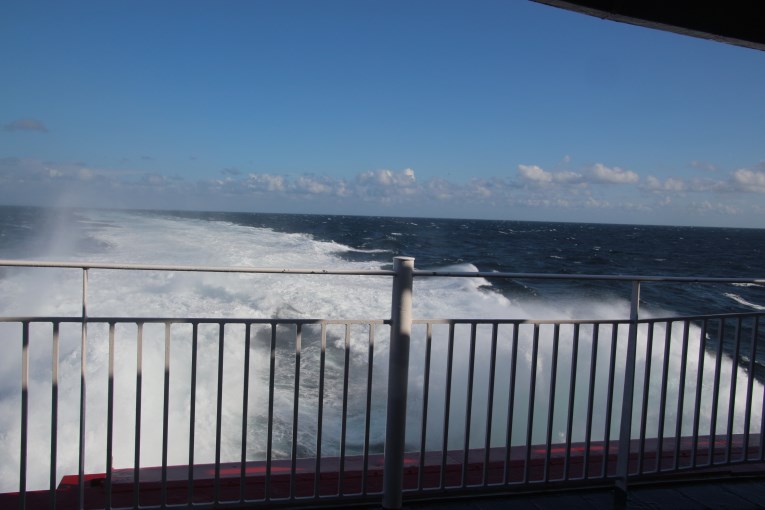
x=734, y=495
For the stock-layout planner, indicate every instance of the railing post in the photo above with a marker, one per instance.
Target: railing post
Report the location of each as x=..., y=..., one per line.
x=83, y=390
x=24, y=415
x=398, y=375
x=625, y=431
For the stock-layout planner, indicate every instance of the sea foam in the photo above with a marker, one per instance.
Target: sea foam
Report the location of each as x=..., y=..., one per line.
x=165, y=239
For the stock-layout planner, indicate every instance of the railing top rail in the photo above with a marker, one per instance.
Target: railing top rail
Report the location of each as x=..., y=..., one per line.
x=196, y=269
x=293, y=321
x=372, y=272
x=615, y=277
x=625, y=320
x=191, y=320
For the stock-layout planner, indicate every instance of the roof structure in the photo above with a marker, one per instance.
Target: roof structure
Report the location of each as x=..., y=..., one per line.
x=736, y=22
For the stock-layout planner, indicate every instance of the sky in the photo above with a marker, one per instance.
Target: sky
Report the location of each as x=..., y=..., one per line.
x=498, y=109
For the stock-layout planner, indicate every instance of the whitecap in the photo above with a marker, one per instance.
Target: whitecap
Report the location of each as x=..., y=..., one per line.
x=742, y=301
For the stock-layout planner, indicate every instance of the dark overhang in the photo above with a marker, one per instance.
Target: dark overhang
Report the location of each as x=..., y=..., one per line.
x=738, y=22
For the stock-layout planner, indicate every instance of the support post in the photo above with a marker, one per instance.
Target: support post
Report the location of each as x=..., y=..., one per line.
x=83, y=389
x=625, y=430
x=398, y=375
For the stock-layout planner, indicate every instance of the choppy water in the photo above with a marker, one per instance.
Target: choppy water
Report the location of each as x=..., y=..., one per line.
x=271, y=240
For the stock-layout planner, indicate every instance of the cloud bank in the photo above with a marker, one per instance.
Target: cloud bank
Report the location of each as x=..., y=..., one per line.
x=594, y=193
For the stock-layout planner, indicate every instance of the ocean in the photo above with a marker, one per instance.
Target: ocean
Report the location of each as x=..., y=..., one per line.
x=297, y=240
x=310, y=241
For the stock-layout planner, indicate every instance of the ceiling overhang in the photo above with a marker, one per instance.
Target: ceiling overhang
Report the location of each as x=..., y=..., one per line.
x=739, y=22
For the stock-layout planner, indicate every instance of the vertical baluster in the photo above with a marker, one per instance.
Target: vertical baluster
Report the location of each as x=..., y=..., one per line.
x=750, y=385
x=295, y=407
x=320, y=411
x=83, y=391
x=610, y=400
x=192, y=408
x=425, y=390
x=732, y=392
x=511, y=403
x=447, y=405
x=110, y=418
x=344, y=423
x=24, y=414
x=270, y=433
x=646, y=392
x=591, y=400
x=54, y=416
x=532, y=392
x=219, y=409
x=551, y=401
x=165, y=414
x=368, y=409
x=490, y=404
x=138, y=389
x=469, y=404
x=699, y=381
x=245, y=404
x=663, y=394
x=571, y=395
x=681, y=395
x=716, y=391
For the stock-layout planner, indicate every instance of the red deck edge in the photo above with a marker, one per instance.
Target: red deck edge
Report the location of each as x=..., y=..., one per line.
x=231, y=486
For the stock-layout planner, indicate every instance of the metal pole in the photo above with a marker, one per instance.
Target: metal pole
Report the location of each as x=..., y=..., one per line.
x=398, y=374
x=24, y=415
x=625, y=432
x=83, y=390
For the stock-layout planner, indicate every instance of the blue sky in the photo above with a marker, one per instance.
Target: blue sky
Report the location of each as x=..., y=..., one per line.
x=486, y=109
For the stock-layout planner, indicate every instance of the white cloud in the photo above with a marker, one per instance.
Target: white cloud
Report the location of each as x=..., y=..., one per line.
x=265, y=182
x=534, y=173
x=85, y=174
x=154, y=179
x=482, y=191
x=597, y=174
x=710, y=207
x=615, y=175
x=533, y=194
x=440, y=189
x=670, y=184
x=312, y=185
x=388, y=177
x=343, y=190
x=387, y=186
x=567, y=176
x=749, y=180
x=742, y=180
x=600, y=204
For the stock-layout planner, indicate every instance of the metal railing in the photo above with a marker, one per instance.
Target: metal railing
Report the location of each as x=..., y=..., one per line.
x=303, y=407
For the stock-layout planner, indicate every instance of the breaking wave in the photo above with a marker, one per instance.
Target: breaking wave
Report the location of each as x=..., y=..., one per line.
x=162, y=239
